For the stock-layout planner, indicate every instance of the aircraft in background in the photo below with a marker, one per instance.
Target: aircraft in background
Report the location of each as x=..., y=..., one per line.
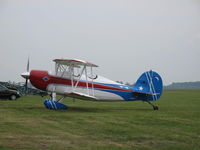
x=77, y=79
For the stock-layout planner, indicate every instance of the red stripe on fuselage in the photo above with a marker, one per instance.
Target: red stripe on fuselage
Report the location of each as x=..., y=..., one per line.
x=37, y=79
x=65, y=81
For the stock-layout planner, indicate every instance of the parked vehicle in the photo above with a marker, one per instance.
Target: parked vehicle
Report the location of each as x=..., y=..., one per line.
x=6, y=93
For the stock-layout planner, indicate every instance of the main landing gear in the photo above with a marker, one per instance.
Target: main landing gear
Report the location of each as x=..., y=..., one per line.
x=154, y=107
x=54, y=104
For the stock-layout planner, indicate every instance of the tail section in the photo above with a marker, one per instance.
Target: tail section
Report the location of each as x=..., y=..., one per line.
x=148, y=87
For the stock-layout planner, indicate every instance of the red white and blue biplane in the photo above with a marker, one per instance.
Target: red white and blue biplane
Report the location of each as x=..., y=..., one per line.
x=76, y=78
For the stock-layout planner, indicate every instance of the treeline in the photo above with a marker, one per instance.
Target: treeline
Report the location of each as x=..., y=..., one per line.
x=183, y=85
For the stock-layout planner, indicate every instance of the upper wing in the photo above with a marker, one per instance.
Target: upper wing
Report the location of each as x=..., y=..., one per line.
x=75, y=62
x=81, y=96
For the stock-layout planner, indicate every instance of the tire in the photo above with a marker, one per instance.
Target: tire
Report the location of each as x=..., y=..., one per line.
x=155, y=107
x=13, y=97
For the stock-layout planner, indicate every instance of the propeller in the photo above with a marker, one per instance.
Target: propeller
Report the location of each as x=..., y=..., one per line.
x=27, y=70
x=26, y=75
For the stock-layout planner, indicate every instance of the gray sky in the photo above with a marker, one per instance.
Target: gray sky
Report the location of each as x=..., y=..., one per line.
x=124, y=37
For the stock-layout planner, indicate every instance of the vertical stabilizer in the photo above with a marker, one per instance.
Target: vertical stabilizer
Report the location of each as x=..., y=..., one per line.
x=149, y=85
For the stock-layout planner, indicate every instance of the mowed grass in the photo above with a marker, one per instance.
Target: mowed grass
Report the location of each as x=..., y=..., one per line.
x=86, y=125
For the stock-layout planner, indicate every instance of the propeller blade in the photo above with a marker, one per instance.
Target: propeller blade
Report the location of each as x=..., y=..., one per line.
x=27, y=68
x=26, y=86
x=26, y=75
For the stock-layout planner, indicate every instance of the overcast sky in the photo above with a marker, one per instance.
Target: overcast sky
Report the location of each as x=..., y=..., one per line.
x=124, y=37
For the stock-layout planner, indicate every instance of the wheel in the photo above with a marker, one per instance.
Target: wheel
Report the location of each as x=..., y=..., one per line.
x=155, y=107
x=13, y=97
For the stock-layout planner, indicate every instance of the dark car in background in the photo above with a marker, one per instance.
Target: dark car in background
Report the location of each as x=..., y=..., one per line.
x=6, y=93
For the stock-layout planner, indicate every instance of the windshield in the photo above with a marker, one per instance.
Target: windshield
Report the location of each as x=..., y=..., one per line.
x=2, y=88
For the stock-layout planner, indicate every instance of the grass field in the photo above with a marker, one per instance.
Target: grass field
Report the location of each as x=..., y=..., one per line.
x=26, y=124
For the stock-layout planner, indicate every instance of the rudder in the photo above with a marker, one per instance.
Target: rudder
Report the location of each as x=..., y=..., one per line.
x=149, y=85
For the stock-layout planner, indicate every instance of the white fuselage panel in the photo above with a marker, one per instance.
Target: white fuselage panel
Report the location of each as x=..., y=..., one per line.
x=100, y=95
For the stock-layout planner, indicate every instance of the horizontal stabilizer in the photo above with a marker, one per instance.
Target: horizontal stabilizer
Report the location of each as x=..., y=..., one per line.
x=146, y=93
x=81, y=96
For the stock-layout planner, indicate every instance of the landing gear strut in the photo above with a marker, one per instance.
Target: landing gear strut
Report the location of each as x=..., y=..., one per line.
x=61, y=99
x=154, y=107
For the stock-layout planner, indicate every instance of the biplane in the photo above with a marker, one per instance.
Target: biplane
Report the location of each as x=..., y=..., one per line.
x=77, y=79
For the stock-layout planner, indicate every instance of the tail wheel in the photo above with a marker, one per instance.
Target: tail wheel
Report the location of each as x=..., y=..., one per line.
x=13, y=97
x=155, y=107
